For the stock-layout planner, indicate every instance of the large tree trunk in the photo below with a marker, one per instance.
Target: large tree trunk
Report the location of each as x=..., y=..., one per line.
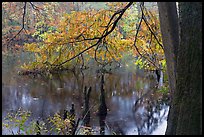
x=188, y=97
x=170, y=38
x=185, y=115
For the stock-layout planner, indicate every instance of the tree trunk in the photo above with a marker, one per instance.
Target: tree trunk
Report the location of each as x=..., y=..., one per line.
x=188, y=97
x=170, y=38
x=184, y=69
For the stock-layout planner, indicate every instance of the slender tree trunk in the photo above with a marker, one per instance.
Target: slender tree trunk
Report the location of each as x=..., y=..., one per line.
x=170, y=38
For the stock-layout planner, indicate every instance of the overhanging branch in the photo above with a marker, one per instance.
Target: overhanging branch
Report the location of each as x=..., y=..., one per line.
x=105, y=33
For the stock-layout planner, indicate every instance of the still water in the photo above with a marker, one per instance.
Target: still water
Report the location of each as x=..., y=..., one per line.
x=125, y=113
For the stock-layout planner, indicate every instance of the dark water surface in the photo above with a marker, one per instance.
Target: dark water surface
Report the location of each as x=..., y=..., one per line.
x=44, y=97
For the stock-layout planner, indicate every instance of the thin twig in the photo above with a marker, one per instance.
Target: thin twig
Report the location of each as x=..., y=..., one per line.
x=23, y=24
x=35, y=7
x=136, y=35
x=147, y=24
x=95, y=55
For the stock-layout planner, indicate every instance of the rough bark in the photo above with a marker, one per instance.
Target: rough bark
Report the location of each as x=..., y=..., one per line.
x=188, y=97
x=170, y=39
x=183, y=66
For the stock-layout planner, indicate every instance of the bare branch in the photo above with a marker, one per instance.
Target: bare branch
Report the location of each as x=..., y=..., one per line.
x=147, y=24
x=35, y=7
x=23, y=24
x=82, y=61
x=95, y=55
x=136, y=35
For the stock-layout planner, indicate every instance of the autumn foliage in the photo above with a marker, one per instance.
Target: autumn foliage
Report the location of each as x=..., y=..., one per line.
x=65, y=38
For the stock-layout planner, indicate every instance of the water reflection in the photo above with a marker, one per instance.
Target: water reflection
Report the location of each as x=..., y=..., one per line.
x=148, y=113
x=111, y=105
x=86, y=112
x=102, y=110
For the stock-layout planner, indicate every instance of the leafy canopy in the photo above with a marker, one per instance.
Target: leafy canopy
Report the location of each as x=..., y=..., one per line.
x=62, y=38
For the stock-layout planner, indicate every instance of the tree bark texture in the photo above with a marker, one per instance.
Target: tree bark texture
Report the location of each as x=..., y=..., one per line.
x=170, y=38
x=184, y=66
x=188, y=97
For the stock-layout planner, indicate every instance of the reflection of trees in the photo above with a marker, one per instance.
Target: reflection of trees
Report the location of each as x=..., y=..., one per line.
x=86, y=112
x=56, y=94
x=102, y=111
x=77, y=85
x=147, y=113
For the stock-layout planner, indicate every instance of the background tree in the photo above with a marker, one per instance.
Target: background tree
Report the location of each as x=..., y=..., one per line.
x=170, y=38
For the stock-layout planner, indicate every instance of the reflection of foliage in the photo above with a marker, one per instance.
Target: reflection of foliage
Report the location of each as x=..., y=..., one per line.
x=152, y=114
